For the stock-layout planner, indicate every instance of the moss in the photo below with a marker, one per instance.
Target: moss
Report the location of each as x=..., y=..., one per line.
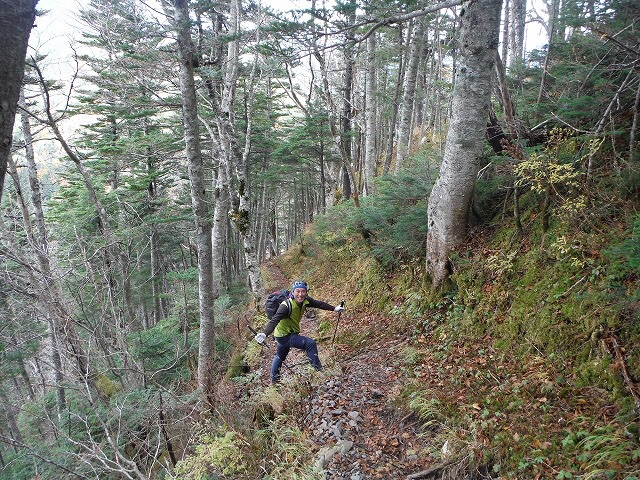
x=106, y=386
x=237, y=365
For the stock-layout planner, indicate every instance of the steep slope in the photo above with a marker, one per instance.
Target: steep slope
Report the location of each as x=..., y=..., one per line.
x=512, y=375
x=520, y=372
x=354, y=425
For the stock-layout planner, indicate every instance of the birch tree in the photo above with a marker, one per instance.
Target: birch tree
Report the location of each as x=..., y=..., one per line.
x=337, y=124
x=237, y=157
x=370, y=118
x=516, y=32
x=450, y=199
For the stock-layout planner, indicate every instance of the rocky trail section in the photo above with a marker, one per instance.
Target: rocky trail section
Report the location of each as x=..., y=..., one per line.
x=353, y=419
x=355, y=412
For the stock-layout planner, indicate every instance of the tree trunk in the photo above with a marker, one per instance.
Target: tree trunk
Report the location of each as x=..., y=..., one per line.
x=551, y=35
x=346, y=125
x=504, y=95
x=409, y=92
x=370, y=118
x=396, y=100
x=335, y=131
x=516, y=35
x=16, y=21
x=506, y=24
x=41, y=245
x=206, y=345
x=450, y=199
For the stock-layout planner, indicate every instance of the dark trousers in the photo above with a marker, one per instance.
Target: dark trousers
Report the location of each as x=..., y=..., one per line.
x=285, y=344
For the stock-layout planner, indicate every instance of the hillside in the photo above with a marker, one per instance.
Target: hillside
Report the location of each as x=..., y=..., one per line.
x=523, y=369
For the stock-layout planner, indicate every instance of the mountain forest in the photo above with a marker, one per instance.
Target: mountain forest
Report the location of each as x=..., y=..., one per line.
x=463, y=176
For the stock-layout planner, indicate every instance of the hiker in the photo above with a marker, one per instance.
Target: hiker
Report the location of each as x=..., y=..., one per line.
x=285, y=326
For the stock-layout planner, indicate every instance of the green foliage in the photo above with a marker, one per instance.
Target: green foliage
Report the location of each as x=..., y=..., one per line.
x=625, y=257
x=610, y=451
x=393, y=221
x=552, y=296
x=554, y=175
x=161, y=351
x=428, y=407
x=218, y=452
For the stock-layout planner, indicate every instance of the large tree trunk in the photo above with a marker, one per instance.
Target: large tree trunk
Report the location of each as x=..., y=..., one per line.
x=450, y=199
x=16, y=20
x=206, y=345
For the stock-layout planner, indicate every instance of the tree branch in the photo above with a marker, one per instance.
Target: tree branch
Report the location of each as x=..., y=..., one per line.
x=406, y=16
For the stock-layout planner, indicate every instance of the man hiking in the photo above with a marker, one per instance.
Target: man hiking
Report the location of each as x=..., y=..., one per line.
x=285, y=326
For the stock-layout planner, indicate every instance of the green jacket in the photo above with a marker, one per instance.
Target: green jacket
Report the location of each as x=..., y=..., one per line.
x=284, y=323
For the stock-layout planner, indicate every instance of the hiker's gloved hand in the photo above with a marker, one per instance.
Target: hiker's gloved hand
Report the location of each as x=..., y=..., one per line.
x=339, y=308
x=260, y=338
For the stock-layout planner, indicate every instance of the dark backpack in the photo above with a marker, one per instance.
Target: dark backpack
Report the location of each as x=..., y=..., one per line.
x=274, y=300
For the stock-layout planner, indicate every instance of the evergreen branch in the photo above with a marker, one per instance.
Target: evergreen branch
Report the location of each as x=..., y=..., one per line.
x=18, y=444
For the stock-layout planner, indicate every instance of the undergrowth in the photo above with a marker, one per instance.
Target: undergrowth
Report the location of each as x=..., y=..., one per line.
x=512, y=372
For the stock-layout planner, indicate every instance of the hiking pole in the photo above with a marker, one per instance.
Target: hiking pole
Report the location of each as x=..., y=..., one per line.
x=264, y=344
x=337, y=322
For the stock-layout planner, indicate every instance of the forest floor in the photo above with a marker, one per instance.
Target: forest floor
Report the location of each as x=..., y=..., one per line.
x=352, y=419
x=414, y=401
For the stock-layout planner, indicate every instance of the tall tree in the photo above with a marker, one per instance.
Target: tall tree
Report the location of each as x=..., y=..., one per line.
x=409, y=91
x=199, y=201
x=450, y=199
x=348, y=9
x=516, y=32
x=16, y=21
x=370, y=118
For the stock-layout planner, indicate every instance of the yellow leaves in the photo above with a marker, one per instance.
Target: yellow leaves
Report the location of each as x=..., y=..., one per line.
x=543, y=173
x=555, y=171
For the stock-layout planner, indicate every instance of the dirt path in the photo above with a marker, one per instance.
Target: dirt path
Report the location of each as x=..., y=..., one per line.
x=353, y=419
x=357, y=409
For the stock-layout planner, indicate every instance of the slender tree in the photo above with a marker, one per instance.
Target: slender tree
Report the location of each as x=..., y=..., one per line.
x=409, y=92
x=206, y=344
x=370, y=118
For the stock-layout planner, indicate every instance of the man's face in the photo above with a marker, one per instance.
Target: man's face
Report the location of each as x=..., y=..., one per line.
x=299, y=294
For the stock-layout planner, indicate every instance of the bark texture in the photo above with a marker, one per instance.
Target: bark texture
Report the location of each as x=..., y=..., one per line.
x=450, y=199
x=16, y=21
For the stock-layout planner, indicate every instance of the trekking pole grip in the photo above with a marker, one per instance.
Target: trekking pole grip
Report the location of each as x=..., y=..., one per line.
x=337, y=322
x=253, y=330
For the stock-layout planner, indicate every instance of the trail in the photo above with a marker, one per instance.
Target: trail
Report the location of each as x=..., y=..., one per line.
x=357, y=428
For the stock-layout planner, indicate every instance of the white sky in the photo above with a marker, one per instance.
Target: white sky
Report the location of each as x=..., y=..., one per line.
x=55, y=31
